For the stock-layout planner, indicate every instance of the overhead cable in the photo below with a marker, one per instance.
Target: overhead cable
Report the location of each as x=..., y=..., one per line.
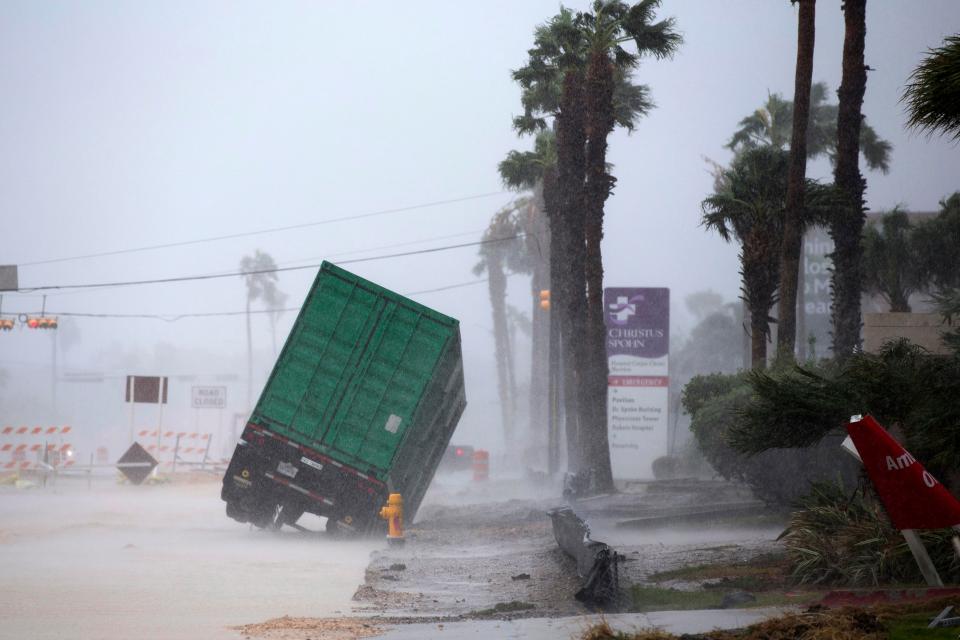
x=244, y=234
x=171, y=317
x=211, y=276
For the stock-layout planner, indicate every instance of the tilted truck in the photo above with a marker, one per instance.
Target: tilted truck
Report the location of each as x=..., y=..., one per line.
x=361, y=403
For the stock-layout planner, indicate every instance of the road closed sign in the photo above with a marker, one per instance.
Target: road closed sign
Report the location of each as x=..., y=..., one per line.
x=208, y=397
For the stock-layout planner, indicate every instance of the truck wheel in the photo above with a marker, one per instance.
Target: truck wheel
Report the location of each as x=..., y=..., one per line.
x=233, y=511
x=264, y=517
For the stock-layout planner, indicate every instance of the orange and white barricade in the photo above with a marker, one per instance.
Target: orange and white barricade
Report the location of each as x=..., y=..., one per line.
x=24, y=448
x=172, y=448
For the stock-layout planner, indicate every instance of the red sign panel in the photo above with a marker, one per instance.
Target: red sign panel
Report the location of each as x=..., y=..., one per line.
x=913, y=497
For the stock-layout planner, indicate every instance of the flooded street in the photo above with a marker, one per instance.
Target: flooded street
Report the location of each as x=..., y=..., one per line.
x=156, y=562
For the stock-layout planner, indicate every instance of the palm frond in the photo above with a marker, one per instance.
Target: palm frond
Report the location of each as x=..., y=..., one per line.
x=933, y=93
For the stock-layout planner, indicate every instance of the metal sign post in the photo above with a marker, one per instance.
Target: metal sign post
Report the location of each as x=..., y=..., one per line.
x=131, y=383
x=161, y=394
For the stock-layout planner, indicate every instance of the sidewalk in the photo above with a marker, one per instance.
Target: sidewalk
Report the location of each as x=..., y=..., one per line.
x=677, y=622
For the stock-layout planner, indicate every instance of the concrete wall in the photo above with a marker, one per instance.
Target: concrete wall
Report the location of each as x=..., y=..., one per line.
x=923, y=329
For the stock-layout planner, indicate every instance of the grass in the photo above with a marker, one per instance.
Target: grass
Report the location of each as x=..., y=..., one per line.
x=763, y=573
x=502, y=607
x=914, y=627
x=647, y=598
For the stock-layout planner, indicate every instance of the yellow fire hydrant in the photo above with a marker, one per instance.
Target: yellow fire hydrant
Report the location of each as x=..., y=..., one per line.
x=393, y=514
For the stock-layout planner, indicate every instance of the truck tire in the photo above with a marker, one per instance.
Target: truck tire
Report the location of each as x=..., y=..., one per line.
x=235, y=512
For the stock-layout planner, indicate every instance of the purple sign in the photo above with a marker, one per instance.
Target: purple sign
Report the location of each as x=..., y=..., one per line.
x=638, y=321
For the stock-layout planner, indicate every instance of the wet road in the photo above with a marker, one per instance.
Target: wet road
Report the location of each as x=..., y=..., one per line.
x=156, y=562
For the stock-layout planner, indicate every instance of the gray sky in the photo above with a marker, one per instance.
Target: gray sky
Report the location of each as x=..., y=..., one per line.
x=131, y=124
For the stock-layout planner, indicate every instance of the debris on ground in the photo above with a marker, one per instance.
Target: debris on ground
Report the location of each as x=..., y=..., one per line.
x=597, y=563
x=288, y=628
x=465, y=559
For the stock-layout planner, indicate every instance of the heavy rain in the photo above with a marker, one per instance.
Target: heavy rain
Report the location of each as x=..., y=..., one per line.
x=599, y=320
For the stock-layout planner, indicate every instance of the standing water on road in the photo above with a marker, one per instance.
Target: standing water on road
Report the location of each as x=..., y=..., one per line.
x=157, y=562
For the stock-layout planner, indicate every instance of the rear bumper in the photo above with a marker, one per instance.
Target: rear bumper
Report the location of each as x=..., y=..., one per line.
x=268, y=470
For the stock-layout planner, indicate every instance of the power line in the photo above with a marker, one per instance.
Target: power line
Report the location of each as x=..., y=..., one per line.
x=170, y=317
x=212, y=276
x=244, y=234
x=313, y=258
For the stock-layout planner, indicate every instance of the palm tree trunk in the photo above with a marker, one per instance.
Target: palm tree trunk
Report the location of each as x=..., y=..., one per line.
x=571, y=284
x=249, y=360
x=847, y=227
x=561, y=403
x=796, y=178
x=599, y=183
x=758, y=337
x=540, y=339
x=899, y=302
x=497, y=284
x=273, y=334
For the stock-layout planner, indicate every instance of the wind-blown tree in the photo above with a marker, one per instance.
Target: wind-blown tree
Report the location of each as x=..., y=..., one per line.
x=933, y=94
x=502, y=253
x=938, y=247
x=796, y=175
x=608, y=28
x=890, y=264
x=772, y=125
x=536, y=171
x=259, y=274
x=552, y=87
x=750, y=209
x=846, y=224
x=579, y=74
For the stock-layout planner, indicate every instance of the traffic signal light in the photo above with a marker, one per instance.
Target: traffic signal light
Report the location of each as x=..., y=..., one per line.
x=42, y=322
x=545, y=299
x=6, y=324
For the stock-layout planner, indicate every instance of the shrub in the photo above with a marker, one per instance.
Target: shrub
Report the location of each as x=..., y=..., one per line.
x=835, y=537
x=911, y=392
x=778, y=476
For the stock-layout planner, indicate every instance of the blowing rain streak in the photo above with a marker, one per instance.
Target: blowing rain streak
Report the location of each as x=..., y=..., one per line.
x=594, y=321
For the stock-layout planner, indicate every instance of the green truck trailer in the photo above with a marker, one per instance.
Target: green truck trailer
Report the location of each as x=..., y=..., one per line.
x=361, y=403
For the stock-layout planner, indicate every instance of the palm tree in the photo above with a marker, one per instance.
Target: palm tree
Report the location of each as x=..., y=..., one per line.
x=502, y=252
x=933, y=95
x=890, y=266
x=259, y=274
x=611, y=25
x=797, y=173
x=536, y=171
x=772, y=124
x=554, y=85
x=846, y=225
x=749, y=208
x=551, y=84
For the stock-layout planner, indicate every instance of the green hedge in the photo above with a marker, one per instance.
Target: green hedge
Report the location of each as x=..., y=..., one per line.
x=779, y=476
